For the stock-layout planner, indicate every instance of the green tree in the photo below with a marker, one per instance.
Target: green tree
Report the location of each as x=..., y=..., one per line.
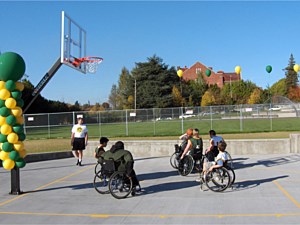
x=279, y=88
x=125, y=89
x=154, y=83
x=291, y=76
x=197, y=89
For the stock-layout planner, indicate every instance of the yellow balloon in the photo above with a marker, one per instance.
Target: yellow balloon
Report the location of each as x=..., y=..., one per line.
x=4, y=155
x=8, y=164
x=2, y=120
x=10, y=103
x=19, y=86
x=296, y=68
x=238, y=69
x=20, y=120
x=22, y=153
x=18, y=146
x=12, y=138
x=2, y=84
x=5, y=129
x=17, y=111
x=180, y=73
x=4, y=94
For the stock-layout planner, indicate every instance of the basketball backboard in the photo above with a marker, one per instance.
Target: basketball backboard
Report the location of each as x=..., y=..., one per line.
x=73, y=43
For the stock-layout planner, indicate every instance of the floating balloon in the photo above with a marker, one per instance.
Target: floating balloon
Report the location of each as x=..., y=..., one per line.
x=12, y=66
x=180, y=73
x=237, y=69
x=296, y=68
x=208, y=72
x=269, y=69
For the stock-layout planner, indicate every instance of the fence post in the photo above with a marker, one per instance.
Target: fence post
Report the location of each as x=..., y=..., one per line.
x=182, y=128
x=211, y=124
x=241, y=118
x=126, y=122
x=99, y=123
x=49, y=135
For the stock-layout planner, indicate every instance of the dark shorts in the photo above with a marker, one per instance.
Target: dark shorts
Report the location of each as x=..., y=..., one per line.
x=79, y=144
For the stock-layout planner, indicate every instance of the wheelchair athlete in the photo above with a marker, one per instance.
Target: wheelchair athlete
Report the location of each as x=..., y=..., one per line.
x=194, y=145
x=123, y=161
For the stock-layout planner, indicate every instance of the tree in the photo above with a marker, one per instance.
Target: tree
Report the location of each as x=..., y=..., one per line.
x=208, y=99
x=279, y=88
x=197, y=89
x=177, y=98
x=255, y=97
x=294, y=94
x=154, y=83
x=291, y=75
x=113, y=97
x=125, y=89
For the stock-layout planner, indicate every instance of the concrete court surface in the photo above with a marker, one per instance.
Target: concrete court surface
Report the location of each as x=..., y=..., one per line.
x=59, y=192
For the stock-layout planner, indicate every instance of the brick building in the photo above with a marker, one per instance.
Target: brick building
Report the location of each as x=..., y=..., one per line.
x=219, y=78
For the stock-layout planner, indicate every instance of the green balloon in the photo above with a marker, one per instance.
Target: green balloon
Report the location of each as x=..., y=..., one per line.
x=16, y=94
x=20, y=102
x=21, y=136
x=208, y=72
x=11, y=120
x=20, y=163
x=3, y=138
x=10, y=85
x=2, y=103
x=7, y=147
x=4, y=111
x=269, y=69
x=14, y=155
x=12, y=66
x=18, y=129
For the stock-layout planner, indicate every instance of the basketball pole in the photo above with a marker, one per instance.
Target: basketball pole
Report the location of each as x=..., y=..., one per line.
x=15, y=172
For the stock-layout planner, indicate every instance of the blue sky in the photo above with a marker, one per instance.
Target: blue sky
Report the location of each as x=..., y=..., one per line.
x=220, y=34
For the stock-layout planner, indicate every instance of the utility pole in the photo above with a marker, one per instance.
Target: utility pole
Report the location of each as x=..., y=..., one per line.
x=135, y=95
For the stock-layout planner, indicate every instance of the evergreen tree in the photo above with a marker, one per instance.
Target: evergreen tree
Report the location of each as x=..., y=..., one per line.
x=291, y=76
x=113, y=97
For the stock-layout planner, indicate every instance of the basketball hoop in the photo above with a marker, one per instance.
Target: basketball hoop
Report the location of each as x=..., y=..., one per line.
x=91, y=63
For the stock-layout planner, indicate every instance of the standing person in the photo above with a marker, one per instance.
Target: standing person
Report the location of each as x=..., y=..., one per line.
x=212, y=150
x=79, y=139
x=100, y=148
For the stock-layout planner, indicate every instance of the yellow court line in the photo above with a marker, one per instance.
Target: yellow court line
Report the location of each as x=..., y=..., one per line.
x=46, y=185
x=154, y=215
x=286, y=193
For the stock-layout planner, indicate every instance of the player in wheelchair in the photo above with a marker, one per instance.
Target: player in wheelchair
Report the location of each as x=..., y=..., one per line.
x=192, y=152
x=117, y=175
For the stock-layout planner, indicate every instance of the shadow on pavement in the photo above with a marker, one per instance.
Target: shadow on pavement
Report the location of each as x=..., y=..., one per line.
x=157, y=175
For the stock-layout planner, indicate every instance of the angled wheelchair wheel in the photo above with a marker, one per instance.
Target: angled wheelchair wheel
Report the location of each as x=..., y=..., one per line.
x=232, y=175
x=230, y=160
x=101, y=183
x=218, y=179
x=186, y=165
x=120, y=186
x=97, y=168
x=174, y=161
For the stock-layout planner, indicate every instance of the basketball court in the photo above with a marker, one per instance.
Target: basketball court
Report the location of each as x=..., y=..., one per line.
x=266, y=191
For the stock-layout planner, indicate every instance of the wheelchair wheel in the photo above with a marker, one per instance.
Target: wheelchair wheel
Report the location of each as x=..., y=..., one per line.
x=232, y=175
x=186, y=165
x=101, y=183
x=174, y=161
x=120, y=186
x=97, y=168
x=230, y=160
x=218, y=179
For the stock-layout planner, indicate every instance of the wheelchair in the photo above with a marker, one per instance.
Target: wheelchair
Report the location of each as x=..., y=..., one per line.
x=109, y=180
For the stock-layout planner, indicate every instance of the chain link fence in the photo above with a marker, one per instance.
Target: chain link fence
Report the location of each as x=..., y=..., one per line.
x=166, y=121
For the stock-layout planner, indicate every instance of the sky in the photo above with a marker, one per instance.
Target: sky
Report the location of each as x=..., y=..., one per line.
x=219, y=34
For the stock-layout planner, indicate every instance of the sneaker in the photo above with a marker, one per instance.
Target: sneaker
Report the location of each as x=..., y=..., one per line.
x=198, y=179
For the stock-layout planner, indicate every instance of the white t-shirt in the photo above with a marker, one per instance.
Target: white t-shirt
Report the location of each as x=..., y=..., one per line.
x=217, y=139
x=79, y=130
x=221, y=158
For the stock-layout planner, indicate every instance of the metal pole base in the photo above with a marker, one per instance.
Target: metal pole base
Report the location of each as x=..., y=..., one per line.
x=15, y=181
